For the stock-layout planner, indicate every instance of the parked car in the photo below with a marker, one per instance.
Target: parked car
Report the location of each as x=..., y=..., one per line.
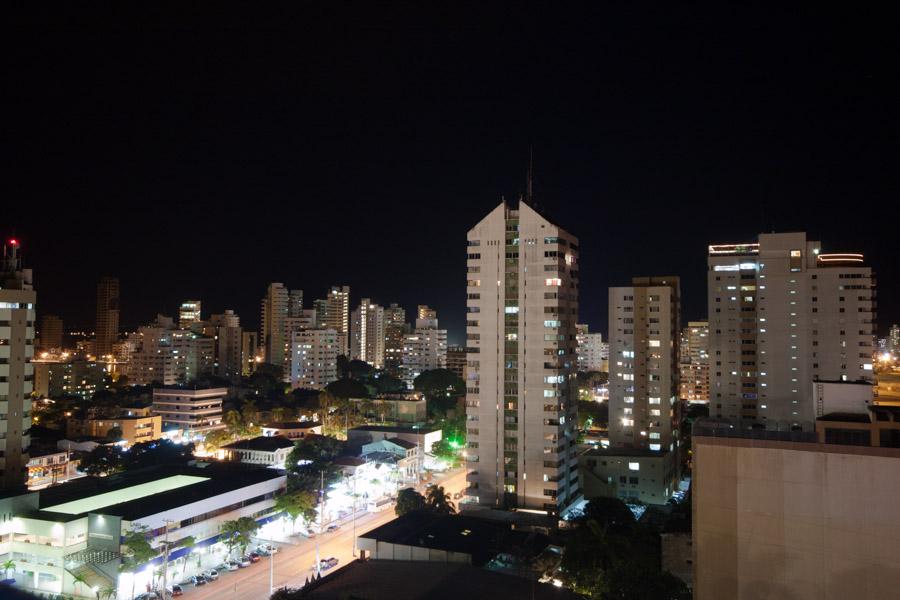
x=198, y=580
x=268, y=548
x=211, y=574
x=147, y=596
x=244, y=561
x=175, y=590
x=328, y=563
x=233, y=566
x=332, y=528
x=254, y=557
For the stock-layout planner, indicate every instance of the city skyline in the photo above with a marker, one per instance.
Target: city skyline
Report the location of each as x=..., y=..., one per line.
x=294, y=143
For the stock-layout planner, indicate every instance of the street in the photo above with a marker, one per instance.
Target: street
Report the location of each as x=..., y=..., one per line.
x=294, y=563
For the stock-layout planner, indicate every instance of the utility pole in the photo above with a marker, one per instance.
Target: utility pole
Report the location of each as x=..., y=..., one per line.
x=321, y=514
x=165, y=559
x=355, y=476
x=271, y=571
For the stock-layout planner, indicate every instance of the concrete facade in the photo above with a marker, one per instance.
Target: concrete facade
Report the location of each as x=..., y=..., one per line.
x=794, y=520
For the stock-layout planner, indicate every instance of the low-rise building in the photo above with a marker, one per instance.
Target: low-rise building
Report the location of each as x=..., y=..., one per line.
x=270, y=451
x=409, y=407
x=424, y=437
x=195, y=412
x=134, y=429
x=629, y=474
x=407, y=456
x=48, y=467
x=292, y=430
x=58, y=533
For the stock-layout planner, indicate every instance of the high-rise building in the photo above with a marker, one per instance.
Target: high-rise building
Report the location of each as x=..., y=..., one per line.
x=107, y=332
x=894, y=338
x=189, y=313
x=426, y=317
x=694, y=365
x=521, y=400
x=395, y=328
x=250, y=353
x=51, y=332
x=274, y=333
x=228, y=335
x=337, y=315
x=456, y=360
x=367, y=333
x=423, y=350
x=314, y=355
x=782, y=315
x=590, y=350
x=168, y=356
x=17, y=313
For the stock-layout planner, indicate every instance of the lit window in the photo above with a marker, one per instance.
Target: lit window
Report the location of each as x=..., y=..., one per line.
x=553, y=281
x=633, y=466
x=511, y=310
x=654, y=343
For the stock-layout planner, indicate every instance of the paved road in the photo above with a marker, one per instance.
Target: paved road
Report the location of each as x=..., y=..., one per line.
x=293, y=564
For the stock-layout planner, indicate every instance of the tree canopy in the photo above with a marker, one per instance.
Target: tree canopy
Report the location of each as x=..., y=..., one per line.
x=310, y=457
x=408, y=500
x=347, y=388
x=442, y=388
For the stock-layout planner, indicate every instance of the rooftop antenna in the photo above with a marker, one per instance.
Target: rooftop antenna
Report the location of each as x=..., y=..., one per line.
x=529, y=194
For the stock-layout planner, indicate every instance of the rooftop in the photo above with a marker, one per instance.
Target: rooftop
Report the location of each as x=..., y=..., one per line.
x=639, y=452
x=135, y=494
x=390, y=579
x=402, y=443
x=262, y=443
x=846, y=417
x=457, y=533
x=396, y=429
x=293, y=425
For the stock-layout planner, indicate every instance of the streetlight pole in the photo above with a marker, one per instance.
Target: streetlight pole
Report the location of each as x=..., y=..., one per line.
x=355, y=476
x=321, y=515
x=271, y=572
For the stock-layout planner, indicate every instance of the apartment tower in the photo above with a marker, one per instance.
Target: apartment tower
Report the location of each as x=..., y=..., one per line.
x=17, y=313
x=522, y=304
x=107, y=332
x=782, y=316
x=367, y=333
x=695, y=362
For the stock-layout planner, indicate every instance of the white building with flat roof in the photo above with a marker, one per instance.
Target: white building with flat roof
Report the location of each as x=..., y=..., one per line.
x=314, y=355
x=194, y=412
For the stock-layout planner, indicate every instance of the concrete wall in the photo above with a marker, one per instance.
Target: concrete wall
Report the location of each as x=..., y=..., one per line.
x=795, y=521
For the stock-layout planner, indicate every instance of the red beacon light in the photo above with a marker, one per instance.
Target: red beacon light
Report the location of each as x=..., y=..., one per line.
x=13, y=242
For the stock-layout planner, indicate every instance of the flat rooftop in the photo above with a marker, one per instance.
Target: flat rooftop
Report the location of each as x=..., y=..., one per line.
x=396, y=429
x=93, y=503
x=136, y=494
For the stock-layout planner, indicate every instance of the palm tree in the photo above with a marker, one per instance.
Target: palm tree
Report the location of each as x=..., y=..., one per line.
x=233, y=420
x=108, y=592
x=8, y=566
x=439, y=501
x=250, y=412
x=79, y=579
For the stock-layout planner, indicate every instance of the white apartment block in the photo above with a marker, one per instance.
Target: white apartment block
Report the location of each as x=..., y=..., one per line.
x=695, y=362
x=423, y=350
x=195, y=412
x=228, y=335
x=189, y=313
x=314, y=355
x=276, y=308
x=783, y=315
x=17, y=313
x=367, y=333
x=644, y=409
x=169, y=356
x=522, y=304
x=591, y=351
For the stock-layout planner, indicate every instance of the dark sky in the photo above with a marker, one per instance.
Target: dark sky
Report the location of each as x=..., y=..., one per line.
x=199, y=155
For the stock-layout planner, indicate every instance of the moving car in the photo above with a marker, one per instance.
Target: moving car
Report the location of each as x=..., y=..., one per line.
x=211, y=574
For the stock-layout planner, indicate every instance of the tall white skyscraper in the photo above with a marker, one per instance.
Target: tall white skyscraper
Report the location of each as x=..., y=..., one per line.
x=521, y=399
x=17, y=313
x=276, y=308
x=783, y=315
x=367, y=333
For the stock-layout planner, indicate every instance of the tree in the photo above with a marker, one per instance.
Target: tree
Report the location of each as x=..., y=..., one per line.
x=360, y=369
x=216, y=439
x=137, y=551
x=278, y=414
x=408, y=500
x=79, y=580
x=385, y=383
x=441, y=387
x=438, y=501
x=306, y=400
x=343, y=367
x=108, y=592
x=8, y=566
x=233, y=420
x=238, y=532
x=310, y=457
x=610, y=513
x=347, y=388
x=102, y=460
x=250, y=412
x=188, y=543
x=114, y=434
x=158, y=452
x=301, y=503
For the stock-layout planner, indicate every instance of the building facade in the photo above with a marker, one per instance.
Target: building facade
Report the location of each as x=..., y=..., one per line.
x=314, y=355
x=17, y=314
x=395, y=330
x=591, y=351
x=189, y=313
x=337, y=315
x=782, y=314
x=694, y=364
x=367, y=333
x=522, y=304
x=107, y=332
x=51, y=332
x=195, y=412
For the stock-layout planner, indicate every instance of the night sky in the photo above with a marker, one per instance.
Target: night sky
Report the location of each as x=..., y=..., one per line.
x=197, y=155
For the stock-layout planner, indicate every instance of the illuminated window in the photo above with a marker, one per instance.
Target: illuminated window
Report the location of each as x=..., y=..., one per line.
x=553, y=281
x=633, y=466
